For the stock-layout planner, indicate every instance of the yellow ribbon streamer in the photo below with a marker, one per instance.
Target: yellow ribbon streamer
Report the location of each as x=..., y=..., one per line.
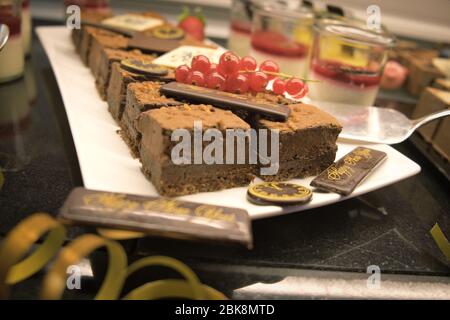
x=55, y=280
x=441, y=240
x=19, y=242
x=119, y=234
x=24, y=236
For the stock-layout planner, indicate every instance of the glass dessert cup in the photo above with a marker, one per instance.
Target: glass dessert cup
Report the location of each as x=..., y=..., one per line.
x=240, y=27
x=348, y=61
x=283, y=35
x=12, y=60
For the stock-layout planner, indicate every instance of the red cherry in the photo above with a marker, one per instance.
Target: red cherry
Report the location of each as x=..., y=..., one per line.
x=294, y=86
x=181, y=73
x=200, y=63
x=215, y=81
x=237, y=83
x=213, y=68
x=302, y=93
x=228, y=63
x=258, y=81
x=269, y=66
x=248, y=64
x=196, y=78
x=279, y=86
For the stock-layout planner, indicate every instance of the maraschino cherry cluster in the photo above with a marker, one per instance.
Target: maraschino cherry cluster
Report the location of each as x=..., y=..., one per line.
x=239, y=75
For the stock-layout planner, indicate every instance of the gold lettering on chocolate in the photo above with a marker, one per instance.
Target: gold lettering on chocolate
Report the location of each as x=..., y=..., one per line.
x=213, y=213
x=352, y=160
x=364, y=152
x=110, y=201
x=335, y=173
x=167, y=206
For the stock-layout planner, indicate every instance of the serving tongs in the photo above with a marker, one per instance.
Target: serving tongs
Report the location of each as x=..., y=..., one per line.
x=373, y=124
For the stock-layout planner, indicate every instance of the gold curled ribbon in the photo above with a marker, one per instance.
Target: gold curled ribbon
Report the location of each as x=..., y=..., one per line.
x=441, y=240
x=114, y=234
x=20, y=240
x=55, y=280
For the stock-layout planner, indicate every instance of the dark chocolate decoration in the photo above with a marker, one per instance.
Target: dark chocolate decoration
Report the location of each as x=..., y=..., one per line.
x=158, y=216
x=270, y=193
x=225, y=100
x=142, y=67
x=344, y=175
x=147, y=42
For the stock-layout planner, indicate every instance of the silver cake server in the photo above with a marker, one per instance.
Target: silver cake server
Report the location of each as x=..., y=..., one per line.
x=4, y=35
x=372, y=124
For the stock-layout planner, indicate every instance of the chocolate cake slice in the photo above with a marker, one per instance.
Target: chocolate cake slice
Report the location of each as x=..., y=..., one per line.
x=85, y=43
x=171, y=179
x=95, y=17
x=141, y=97
x=117, y=88
x=101, y=41
x=307, y=142
x=102, y=70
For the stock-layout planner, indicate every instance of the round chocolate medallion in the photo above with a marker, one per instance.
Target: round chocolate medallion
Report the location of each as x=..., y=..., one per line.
x=278, y=193
x=168, y=32
x=142, y=67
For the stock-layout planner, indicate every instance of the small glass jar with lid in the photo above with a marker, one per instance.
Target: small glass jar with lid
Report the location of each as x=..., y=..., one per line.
x=348, y=60
x=12, y=58
x=283, y=34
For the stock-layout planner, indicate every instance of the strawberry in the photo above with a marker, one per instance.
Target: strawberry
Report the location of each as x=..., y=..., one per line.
x=193, y=25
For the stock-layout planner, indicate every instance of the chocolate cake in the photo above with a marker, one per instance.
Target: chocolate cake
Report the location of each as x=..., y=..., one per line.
x=141, y=97
x=101, y=41
x=102, y=70
x=95, y=17
x=307, y=142
x=86, y=40
x=156, y=127
x=83, y=39
x=117, y=88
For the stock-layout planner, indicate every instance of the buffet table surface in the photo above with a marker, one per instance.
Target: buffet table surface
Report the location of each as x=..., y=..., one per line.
x=295, y=256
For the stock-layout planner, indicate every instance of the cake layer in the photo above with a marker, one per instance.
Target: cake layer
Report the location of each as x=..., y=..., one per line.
x=157, y=126
x=141, y=97
x=307, y=133
x=102, y=41
x=303, y=168
x=102, y=70
x=87, y=35
x=95, y=17
x=170, y=179
x=117, y=88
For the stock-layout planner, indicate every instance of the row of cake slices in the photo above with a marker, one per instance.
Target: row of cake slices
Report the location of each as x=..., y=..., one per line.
x=307, y=140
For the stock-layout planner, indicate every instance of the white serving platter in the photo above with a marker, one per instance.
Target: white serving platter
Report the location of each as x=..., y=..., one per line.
x=106, y=163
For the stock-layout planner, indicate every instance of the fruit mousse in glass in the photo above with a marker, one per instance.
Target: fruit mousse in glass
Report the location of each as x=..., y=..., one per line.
x=283, y=35
x=348, y=61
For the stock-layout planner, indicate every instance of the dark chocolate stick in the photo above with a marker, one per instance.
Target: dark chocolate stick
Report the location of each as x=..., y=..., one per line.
x=344, y=175
x=158, y=216
x=225, y=100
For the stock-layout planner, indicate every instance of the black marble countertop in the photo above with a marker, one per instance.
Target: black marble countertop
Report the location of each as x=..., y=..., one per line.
x=388, y=227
